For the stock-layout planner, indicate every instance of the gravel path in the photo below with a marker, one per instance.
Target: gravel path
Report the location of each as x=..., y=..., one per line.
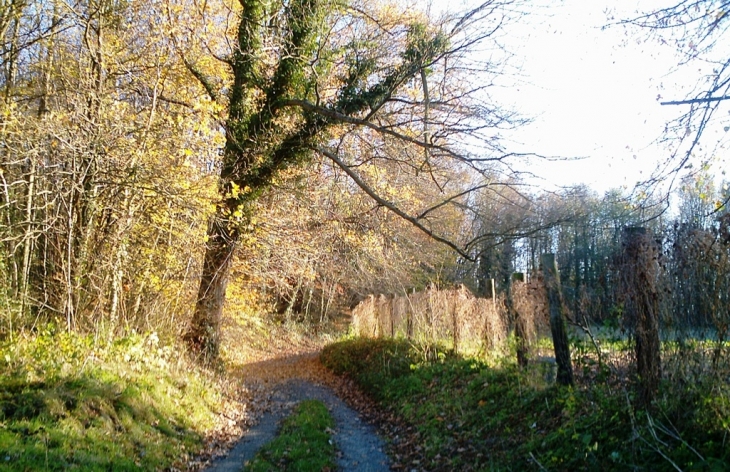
x=359, y=448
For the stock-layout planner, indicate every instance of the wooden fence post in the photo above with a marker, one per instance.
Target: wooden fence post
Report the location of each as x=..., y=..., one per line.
x=520, y=328
x=557, y=321
x=642, y=308
x=410, y=315
x=392, y=321
x=455, y=323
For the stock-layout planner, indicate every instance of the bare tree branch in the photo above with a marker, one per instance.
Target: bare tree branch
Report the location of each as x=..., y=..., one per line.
x=389, y=205
x=696, y=100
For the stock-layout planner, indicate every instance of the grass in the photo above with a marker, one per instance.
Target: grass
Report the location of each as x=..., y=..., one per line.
x=474, y=415
x=303, y=444
x=70, y=403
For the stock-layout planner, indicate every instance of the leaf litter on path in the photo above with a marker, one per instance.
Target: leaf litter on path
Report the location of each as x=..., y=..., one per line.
x=271, y=387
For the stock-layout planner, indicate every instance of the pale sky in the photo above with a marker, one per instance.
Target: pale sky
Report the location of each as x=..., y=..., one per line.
x=592, y=92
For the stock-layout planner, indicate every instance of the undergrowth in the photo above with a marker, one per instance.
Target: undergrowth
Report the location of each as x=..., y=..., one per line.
x=470, y=415
x=303, y=443
x=70, y=402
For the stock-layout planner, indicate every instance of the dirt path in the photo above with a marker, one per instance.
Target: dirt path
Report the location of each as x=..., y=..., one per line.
x=274, y=386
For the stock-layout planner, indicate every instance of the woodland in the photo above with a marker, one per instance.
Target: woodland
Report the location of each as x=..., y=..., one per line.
x=201, y=176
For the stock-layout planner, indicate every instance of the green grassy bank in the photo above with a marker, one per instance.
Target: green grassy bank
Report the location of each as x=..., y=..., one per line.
x=469, y=414
x=68, y=402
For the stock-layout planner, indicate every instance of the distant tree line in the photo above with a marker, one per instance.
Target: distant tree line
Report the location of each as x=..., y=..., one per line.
x=584, y=230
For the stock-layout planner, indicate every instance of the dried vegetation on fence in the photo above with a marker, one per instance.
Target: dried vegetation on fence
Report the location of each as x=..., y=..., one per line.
x=452, y=315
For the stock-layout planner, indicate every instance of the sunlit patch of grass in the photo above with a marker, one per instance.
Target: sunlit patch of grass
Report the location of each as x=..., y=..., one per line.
x=303, y=444
x=68, y=402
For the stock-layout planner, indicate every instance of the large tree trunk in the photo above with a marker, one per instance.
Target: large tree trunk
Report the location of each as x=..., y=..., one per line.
x=557, y=319
x=642, y=309
x=203, y=335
